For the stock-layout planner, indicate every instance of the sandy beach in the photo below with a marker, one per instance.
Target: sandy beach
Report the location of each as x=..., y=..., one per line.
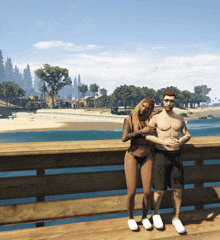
x=201, y=111
x=51, y=120
x=21, y=124
x=69, y=119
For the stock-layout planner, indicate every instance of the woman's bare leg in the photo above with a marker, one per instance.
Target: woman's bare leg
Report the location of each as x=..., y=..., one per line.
x=146, y=174
x=131, y=170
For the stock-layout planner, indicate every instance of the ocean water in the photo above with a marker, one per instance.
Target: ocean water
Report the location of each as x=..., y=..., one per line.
x=197, y=128
x=53, y=136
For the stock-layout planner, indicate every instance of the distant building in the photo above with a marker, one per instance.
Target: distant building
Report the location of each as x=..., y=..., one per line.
x=87, y=101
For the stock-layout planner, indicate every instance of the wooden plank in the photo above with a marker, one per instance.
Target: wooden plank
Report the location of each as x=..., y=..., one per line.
x=10, y=149
x=204, y=141
x=46, y=185
x=203, y=222
x=200, y=154
x=193, y=196
x=33, y=186
x=202, y=174
x=204, y=231
x=85, y=159
x=32, y=148
x=53, y=210
x=64, y=160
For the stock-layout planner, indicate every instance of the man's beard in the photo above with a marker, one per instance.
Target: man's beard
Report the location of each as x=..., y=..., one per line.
x=169, y=109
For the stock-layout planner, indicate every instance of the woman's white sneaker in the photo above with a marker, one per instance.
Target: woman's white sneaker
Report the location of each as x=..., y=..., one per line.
x=146, y=223
x=132, y=225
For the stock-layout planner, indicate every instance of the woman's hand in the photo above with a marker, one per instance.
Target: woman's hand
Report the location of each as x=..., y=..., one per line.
x=147, y=130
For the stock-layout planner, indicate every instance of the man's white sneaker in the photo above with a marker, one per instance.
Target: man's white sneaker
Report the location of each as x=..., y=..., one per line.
x=157, y=221
x=146, y=223
x=132, y=225
x=178, y=226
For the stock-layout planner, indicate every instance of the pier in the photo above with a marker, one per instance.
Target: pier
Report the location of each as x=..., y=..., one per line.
x=200, y=223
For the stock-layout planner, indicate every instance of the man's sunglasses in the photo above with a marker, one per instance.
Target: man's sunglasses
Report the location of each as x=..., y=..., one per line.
x=167, y=100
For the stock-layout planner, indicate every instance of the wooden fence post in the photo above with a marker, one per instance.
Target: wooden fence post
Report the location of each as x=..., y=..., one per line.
x=40, y=173
x=198, y=184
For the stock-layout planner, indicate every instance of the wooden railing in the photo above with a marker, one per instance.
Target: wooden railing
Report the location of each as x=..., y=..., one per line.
x=55, y=155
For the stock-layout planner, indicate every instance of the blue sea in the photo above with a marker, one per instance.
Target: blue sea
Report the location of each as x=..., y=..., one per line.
x=197, y=128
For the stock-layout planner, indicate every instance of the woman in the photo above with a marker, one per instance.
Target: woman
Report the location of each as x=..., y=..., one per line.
x=136, y=129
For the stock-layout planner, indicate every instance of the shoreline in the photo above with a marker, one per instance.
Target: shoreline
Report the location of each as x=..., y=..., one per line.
x=196, y=113
x=53, y=125
x=73, y=120
x=70, y=126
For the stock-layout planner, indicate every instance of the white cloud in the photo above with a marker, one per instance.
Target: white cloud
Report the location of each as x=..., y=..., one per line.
x=48, y=45
x=111, y=68
x=92, y=47
x=159, y=48
x=66, y=46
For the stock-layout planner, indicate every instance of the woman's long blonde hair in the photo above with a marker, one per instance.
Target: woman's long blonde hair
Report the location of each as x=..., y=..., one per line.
x=135, y=114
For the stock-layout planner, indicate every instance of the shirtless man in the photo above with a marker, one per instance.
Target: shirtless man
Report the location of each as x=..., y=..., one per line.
x=168, y=167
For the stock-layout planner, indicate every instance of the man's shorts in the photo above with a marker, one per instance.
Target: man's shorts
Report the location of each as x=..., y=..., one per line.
x=167, y=170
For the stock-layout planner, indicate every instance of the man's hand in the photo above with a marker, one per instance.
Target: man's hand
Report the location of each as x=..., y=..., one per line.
x=147, y=130
x=173, y=143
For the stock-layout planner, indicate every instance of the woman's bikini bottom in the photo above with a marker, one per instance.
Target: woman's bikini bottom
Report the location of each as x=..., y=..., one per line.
x=140, y=160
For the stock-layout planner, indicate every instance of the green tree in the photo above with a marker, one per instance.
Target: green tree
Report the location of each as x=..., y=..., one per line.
x=44, y=90
x=106, y=101
x=55, y=77
x=198, y=98
x=94, y=88
x=79, y=80
x=2, y=68
x=38, y=84
x=110, y=101
x=198, y=89
x=83, y=89
x=75, y=89
x=187, y=97
x=135, y=95
x=17, y=76
x=9, y=90
x=9, y=74
x=27, y=81
x=204, y=90
x=147, y=92
x=78, y=85
x=124, y=93
x=103, y=91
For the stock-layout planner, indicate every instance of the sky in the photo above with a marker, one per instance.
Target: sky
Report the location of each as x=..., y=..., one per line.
x=153, y=43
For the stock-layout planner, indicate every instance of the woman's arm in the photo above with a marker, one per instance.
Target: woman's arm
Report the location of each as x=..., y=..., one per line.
x=127, y=134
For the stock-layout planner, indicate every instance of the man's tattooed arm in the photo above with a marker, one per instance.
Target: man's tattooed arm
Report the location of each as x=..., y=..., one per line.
x=127, y=134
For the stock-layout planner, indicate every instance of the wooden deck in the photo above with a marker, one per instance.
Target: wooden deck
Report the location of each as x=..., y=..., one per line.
x=204, y=225
x=200, y=224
